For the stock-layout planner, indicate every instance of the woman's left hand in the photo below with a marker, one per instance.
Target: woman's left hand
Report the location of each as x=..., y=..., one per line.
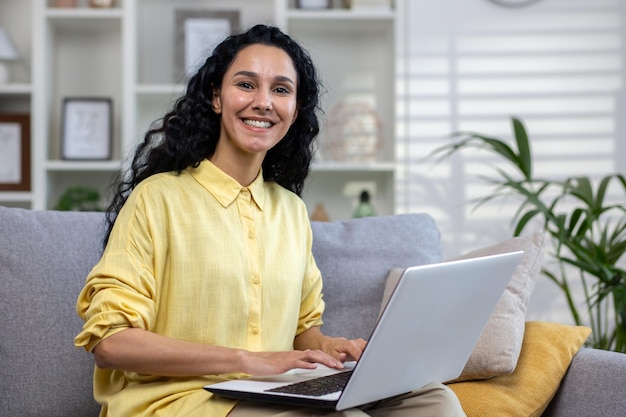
x=339, y=348
x=344, y=349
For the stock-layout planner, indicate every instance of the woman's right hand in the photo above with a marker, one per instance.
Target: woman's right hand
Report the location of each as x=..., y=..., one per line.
x=271, y=363
x=138, y=350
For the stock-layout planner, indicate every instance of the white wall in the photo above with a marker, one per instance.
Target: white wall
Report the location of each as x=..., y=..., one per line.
x=471, y=65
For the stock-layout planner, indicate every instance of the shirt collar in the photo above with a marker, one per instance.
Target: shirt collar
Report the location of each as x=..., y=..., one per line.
x=223, y=187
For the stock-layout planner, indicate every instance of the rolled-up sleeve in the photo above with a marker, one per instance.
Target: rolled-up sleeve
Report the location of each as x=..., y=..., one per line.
x=311, y=304
x=119, y=292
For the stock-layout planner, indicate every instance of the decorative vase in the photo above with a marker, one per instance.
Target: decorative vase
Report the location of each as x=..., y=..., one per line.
x=365, y=208
x=320, y=214
x=353, y=133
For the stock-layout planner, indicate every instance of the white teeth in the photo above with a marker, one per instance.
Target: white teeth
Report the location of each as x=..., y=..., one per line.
x=257, y=123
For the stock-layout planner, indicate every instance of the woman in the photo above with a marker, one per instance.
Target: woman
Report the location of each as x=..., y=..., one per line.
x=207, y=272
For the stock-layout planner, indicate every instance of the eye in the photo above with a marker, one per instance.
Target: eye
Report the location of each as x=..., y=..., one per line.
x=282, y=90
x=245, y=85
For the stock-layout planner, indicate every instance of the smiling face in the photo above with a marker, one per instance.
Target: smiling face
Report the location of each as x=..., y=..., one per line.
x=257, y=103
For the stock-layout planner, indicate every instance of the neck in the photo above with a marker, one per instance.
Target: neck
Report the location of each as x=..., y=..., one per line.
x=243, y=168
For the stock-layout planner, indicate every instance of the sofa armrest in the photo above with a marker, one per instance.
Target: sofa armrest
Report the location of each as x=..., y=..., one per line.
x=593, y=386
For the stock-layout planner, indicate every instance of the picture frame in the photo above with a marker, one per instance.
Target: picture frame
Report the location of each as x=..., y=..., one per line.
x=197, y=32
x=15, y=152
x=87, y=128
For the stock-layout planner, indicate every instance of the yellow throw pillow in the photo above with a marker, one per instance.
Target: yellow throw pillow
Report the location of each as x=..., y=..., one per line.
x=547, y=351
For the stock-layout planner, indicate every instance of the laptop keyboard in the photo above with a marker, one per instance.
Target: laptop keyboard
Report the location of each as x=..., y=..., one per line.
x=316, y=387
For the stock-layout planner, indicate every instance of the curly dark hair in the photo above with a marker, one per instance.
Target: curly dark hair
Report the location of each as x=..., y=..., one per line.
x=189, y=132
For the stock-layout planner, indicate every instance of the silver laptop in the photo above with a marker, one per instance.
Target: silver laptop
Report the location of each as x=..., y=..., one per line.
x=425, y=334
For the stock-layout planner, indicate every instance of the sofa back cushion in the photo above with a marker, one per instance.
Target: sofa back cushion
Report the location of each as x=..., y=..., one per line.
x=46, y=255
x=355, y=257
x=44, y=259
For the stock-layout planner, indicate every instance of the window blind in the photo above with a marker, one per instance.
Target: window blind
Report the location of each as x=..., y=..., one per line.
x=470, y=65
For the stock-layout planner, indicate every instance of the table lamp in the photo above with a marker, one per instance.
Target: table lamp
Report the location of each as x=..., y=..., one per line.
x=7, y=53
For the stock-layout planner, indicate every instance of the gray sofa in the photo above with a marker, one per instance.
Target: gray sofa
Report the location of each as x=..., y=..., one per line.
x=45, y=256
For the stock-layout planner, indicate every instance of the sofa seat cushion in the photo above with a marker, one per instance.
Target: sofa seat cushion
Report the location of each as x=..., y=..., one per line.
x=44, y=259
x=355, y=257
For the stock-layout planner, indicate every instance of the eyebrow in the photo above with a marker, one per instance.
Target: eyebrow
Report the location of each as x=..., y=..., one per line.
x=253, y=74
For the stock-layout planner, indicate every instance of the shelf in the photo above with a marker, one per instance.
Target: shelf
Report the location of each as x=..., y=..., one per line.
x=161, y=89
x=66, y=166
x=16, y=89
x=341, y=14
x=84, y=19
x=67, y=14
x=354, y=167
x=346, y=23
x=16, y=196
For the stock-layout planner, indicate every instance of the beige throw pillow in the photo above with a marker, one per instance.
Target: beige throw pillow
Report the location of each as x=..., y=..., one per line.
x=498, y=347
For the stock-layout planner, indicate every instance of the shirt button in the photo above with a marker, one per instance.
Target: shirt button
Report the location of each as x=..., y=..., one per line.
x=255, y=330
x=256, y=279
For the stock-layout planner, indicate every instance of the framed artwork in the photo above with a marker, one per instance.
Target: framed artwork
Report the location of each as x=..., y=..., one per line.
x=87, y=129
x=197, y=33
x=14, y=152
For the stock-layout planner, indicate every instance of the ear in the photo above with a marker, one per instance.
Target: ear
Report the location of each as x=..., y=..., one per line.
x=295, y=114
x=216, y=103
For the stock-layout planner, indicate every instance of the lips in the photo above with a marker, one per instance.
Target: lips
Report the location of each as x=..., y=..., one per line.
x=258, y=123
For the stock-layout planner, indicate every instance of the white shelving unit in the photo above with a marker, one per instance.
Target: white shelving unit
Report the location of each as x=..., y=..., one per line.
x=16, y=96
x=127, y=53
x=77, y=54
x=355, y=54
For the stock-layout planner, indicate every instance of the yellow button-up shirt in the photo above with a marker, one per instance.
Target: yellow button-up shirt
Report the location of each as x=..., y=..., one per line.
x=198, y=257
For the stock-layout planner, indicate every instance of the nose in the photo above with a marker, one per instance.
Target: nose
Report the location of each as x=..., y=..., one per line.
x=262, y=101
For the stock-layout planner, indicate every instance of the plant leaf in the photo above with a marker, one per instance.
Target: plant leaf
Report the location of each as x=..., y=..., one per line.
x=523, y=146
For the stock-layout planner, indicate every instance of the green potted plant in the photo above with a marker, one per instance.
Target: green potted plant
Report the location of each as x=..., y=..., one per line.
x=79, y=199
x=587, y=231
